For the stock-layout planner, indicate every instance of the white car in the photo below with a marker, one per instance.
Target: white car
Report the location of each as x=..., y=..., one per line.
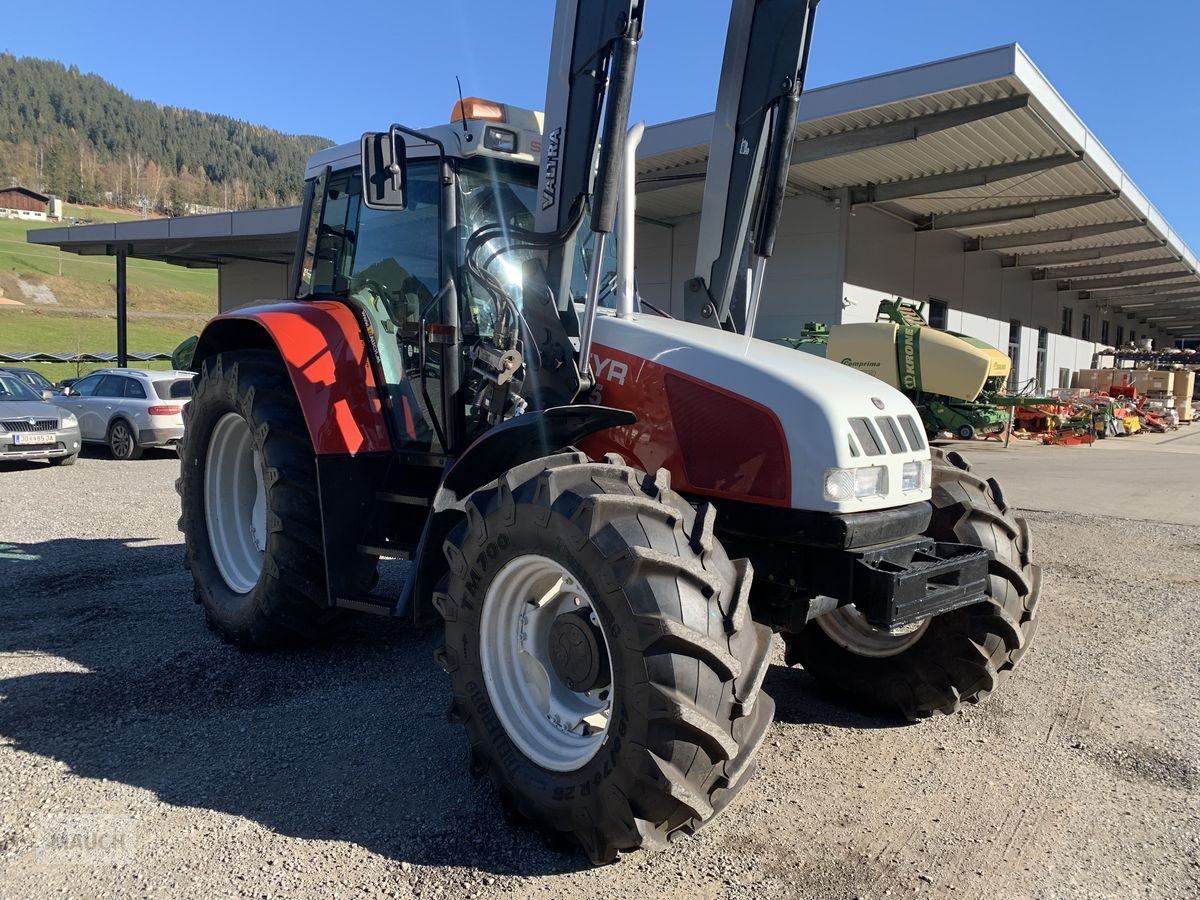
x=130, y=409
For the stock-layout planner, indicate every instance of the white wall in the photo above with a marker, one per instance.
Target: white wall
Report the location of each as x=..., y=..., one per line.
x=804, y=278
x=886, y=258
x=241, y=282
x=833, y=264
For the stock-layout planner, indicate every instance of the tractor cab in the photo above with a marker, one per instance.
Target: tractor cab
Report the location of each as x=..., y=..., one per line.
x=422, y=269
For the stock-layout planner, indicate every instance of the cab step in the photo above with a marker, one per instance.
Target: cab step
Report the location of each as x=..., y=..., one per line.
x=388, y=552
x=404, y=499
x=377, y=604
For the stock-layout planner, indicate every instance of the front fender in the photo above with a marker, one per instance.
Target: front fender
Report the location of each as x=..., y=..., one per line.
x=328, y=360
x=519, y=440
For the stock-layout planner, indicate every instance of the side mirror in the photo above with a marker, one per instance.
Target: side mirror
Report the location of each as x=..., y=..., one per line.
x=384, y=170
x=70, y=392
x=46, y=395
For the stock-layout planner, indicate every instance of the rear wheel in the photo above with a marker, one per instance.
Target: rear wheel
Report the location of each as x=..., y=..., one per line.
x=959, y=656
x=122, y=442
x=250, y=513
x=601, y=653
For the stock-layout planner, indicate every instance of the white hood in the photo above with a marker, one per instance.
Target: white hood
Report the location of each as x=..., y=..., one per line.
x=813, y=398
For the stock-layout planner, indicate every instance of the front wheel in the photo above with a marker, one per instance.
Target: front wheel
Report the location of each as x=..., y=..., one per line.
x=601, y=654
x=64, y=460
x=959, y=656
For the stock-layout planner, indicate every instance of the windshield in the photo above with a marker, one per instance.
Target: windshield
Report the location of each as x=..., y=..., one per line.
x=35, y=380
x=13, y=388
x=495, y=192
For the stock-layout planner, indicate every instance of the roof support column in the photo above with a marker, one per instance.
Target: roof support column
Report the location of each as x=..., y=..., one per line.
x=122, y=311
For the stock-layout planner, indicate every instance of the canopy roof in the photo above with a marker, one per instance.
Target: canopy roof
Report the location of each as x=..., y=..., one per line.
x=262, y=235
x=980, y=145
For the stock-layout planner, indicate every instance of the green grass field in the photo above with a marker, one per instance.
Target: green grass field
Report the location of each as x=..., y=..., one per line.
x=38, y=330
x=90, y=281
x=166, y=303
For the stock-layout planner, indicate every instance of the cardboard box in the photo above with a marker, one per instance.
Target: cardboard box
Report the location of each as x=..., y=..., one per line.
x=1160, y=381
x=1146, y=381
x=1185, y=385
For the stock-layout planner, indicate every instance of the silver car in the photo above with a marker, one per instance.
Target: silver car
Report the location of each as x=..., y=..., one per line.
x=130, y=409
x=32, y=428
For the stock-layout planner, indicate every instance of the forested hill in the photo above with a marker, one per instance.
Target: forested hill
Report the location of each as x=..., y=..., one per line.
x=79, y=138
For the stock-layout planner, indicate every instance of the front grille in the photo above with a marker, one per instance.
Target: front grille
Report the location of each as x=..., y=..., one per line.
x=26, y=425
x=885, y=434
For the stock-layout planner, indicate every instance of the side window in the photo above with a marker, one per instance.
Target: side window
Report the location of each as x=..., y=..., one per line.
x=134, y=389
x=111, y=386
x=86, y=387
x=393, y=254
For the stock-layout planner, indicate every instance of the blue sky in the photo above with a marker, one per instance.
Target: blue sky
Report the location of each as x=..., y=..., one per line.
x=338, y=69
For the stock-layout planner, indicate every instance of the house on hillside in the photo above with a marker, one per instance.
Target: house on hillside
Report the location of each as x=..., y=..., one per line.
x=22, y=203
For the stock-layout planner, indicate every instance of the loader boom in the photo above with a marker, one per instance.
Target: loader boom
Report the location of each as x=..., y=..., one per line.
x=762, y=76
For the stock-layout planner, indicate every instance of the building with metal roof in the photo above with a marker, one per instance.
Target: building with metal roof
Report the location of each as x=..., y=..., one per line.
x=967, y=183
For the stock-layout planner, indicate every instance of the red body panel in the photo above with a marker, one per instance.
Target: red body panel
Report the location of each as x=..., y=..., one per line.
x=326, y=354
x=713, y=442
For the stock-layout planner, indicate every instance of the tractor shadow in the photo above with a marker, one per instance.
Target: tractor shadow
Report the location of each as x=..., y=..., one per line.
x=800, y=699
x=347, y=742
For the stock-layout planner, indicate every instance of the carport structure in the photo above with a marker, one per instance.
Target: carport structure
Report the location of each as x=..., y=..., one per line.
x=252, y=250
x=974, y=156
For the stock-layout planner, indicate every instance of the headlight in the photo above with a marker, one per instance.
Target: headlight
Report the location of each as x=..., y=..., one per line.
x=69, y=421
x=847, y=484
x=915, y=475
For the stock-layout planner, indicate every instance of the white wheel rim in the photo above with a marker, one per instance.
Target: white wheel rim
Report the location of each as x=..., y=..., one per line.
x=849, y=628
x=557, y=728
x=235, y=503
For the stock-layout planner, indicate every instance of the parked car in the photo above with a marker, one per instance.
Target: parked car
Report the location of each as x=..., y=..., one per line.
x=31, y=377
x=130, y=409
x=33, y=428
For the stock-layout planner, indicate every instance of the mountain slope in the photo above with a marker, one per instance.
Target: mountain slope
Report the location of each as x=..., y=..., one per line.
x=82, y=139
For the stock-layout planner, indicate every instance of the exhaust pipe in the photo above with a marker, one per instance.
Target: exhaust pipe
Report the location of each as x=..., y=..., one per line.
x=628, y=223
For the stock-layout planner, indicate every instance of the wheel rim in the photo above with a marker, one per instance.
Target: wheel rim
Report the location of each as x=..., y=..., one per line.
x=121, y=441
x=235, y=503
x=850, y=629
x=521, y=652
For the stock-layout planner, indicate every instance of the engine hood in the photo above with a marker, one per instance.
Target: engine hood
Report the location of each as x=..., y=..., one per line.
x=815, y=400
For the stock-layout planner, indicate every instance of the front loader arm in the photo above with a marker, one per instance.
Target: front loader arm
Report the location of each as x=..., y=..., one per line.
x=766, y=54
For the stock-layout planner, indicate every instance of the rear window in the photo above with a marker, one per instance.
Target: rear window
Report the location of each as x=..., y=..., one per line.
x=179, y=389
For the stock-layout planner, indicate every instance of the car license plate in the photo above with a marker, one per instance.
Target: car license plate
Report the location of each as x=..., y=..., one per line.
x=34, y=438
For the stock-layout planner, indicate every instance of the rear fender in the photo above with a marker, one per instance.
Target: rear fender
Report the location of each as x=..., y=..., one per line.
x=328, y=359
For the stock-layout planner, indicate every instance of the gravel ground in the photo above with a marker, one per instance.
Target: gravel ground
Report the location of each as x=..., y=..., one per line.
x=140, y=757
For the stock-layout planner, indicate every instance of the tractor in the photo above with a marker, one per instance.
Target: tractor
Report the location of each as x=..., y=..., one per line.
x=608, y=511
